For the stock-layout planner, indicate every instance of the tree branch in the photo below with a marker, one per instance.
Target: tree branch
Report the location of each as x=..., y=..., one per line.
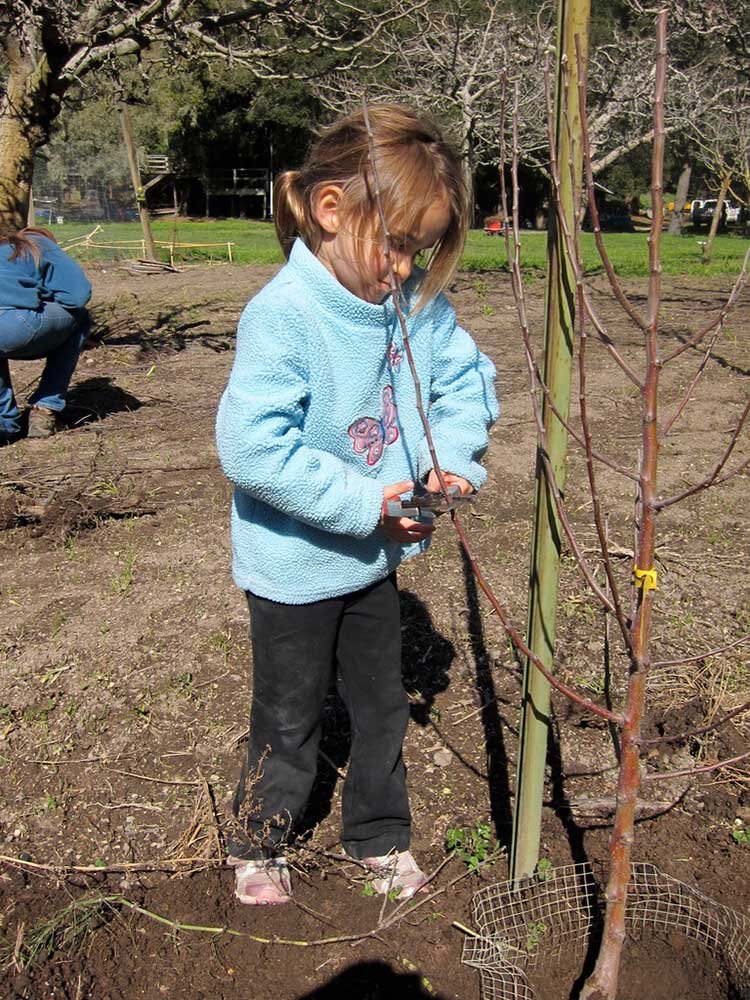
x=690, y=771
x=711, y=479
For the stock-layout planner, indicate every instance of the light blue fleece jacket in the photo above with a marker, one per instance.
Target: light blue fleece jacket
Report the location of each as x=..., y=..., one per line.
x=320, y=414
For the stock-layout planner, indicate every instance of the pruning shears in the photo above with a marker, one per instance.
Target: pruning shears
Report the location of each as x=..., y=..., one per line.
x=425, y=505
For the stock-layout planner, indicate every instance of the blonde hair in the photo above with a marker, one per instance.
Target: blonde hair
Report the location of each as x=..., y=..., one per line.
x=20, y=240
x=415, y=168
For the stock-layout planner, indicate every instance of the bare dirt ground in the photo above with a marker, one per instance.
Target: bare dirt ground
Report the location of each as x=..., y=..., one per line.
x=125, y=673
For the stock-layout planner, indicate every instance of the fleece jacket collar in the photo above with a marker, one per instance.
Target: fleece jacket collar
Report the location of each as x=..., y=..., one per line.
x=332, y=296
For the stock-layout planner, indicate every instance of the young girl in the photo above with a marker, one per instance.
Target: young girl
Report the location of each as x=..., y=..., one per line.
x=43, y=293
x=318, y=428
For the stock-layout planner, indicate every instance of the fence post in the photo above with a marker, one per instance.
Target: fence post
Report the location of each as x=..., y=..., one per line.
x=135, y=175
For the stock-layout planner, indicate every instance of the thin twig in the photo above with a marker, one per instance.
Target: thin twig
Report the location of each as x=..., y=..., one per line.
x=324, y=756
x=711, y=478
x=74, y=760
x=177, y=925
x=174, y=864
x=543, y=450
x=573, y=252
x=396, y=296
x=690, y=771
x=688, y=733
x=521, y=646
x=568, y=240
x=148, y=777
x=688, y=394
x=510, y=630
x=578, y=437
x=719, y=320
x=387, y=893
x=593, y=208
x=614, y=591
x=700, y=656
x=475, y=711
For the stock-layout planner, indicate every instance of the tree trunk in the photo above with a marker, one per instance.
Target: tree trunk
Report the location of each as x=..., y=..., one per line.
x=24, y=122
x=675, y=223
x=602, y=983
x=467, y=165
x=726, y=180
x=135, y=176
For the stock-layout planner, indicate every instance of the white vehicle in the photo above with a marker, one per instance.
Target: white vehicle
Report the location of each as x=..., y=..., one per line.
x=733, y=211
x=703, y=211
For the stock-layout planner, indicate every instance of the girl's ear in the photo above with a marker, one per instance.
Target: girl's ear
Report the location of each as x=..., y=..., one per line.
x=325, y=208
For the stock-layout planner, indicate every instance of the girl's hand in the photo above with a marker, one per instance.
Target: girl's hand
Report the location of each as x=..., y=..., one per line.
x=402, y=529
x=433, y=484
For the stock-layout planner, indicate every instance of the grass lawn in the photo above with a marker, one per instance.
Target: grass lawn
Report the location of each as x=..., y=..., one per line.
x=255, y=243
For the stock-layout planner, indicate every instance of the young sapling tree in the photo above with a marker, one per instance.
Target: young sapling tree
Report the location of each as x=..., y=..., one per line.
x=631, y=612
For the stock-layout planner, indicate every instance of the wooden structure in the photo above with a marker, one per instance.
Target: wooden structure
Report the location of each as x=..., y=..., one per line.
x=237, y=183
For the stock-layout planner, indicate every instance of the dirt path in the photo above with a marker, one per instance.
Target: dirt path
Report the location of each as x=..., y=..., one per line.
x=124, y=668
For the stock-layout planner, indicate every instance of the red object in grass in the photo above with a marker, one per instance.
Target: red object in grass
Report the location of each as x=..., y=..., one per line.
x=494, y=227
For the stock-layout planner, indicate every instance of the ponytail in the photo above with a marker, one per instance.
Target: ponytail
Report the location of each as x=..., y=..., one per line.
x=291, y=214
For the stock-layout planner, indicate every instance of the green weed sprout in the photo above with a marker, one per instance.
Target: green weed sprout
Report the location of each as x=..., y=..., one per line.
x=534, y=935
x=475, y=845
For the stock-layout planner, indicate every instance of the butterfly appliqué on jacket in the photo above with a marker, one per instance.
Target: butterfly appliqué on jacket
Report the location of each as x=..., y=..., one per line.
x=370, y=435
x=394, y=357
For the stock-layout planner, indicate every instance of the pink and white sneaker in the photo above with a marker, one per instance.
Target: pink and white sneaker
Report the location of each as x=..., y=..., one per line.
x=261, y=883
x=396, y=872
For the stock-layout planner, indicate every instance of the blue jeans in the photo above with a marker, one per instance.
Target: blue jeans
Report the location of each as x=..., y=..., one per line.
x=52, y=332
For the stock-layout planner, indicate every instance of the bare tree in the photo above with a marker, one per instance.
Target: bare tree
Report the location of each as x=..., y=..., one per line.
x=710, y=61
x=52, y=47
x=683, y=186
x=715, y=25
x=723, y=144
x=627, y=601
x=631, y=619
x=449, y=65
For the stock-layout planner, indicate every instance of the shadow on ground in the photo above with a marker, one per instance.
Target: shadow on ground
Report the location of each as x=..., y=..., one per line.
x=371, y=981
x=97, y=398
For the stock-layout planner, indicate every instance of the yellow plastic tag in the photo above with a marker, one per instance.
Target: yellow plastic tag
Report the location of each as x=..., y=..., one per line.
x=645, y=579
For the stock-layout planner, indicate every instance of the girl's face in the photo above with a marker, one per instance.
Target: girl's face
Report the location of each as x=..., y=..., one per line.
x=359, y=263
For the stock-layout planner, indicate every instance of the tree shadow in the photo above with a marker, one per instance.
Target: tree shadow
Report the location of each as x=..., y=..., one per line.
x=96, y=398
x=699, y=350
x=575, y=835
x=425, y=658
x=492, y=721
x=371, y=981
x=573, y=831
x=172, y=330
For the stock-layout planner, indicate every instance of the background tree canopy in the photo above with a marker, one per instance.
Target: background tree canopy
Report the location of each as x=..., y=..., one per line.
x=444, y=56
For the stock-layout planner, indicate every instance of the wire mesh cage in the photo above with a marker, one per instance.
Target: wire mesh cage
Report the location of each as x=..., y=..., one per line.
x=523, y=925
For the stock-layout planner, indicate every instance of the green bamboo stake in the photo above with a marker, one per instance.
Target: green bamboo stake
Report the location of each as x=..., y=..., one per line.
x=572, y=20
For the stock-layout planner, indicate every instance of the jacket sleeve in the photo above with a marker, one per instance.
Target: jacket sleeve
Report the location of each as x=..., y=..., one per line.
x=462, y=400
x=63, y=280
x=260, y=438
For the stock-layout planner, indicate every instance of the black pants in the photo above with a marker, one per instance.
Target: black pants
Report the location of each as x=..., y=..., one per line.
x=296, y=649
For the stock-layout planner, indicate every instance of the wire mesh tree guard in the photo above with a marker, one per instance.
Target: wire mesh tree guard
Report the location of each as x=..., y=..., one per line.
x=530, y=924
